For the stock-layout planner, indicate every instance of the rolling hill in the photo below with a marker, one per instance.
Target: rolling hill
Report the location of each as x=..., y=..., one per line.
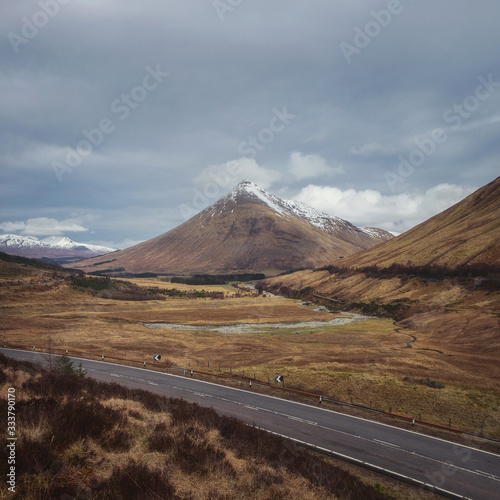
x=465, y=234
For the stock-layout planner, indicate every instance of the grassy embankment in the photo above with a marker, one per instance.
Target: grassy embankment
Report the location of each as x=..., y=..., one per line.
x=84, y=439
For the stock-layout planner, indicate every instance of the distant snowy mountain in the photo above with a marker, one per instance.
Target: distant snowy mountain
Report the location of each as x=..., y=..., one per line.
x=53, y=248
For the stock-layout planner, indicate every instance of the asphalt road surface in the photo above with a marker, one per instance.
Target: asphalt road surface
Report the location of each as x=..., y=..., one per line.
x=456, y=471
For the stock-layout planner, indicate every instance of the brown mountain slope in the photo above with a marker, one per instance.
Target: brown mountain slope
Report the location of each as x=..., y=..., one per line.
x=466, y=233
x=249, y=230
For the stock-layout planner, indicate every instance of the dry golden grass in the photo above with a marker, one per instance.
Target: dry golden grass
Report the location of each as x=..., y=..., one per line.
x=365, y=361
x=152, y=282
x=101, y=441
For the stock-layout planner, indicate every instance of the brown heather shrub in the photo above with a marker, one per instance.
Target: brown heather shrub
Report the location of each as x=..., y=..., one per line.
x=37, y=456
x=161, y=439
x=54, y=384
x=80, y=443
x=118, y=440
x=85, y=418
x=135, y=480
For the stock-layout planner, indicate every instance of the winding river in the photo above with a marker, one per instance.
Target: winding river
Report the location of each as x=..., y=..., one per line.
x=259, y=327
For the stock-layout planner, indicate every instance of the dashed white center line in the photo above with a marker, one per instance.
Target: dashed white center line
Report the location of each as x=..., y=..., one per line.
x=310, y=422
x=488, y=475
x=388, y=444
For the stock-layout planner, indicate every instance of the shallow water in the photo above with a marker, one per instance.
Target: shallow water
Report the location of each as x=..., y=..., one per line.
x=259, y=327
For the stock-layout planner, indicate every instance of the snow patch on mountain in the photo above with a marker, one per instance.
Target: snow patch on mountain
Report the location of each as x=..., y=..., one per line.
x=52, y=246
x=286, y=208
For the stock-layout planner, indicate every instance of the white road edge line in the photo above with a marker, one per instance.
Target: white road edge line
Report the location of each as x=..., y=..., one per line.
x=370, y=466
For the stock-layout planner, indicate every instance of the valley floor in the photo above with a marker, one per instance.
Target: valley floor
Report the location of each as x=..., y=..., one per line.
x=369, y=362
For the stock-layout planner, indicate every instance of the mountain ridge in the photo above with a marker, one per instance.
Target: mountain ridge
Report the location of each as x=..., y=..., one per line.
x=53, y=247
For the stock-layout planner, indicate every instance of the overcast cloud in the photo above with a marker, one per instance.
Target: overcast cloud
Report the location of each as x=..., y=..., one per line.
x=119, y=119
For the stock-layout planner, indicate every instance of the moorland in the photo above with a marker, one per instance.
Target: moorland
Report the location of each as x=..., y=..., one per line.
x=378, y=362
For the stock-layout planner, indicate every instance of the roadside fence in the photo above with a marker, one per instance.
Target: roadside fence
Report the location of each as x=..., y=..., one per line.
x=246, y=381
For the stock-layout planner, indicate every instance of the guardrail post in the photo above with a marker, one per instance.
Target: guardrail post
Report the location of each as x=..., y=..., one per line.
x=144, y=363
x=250, y=383
x=191, y=372
x=66, y=351
x=320, y=399
x=102, y=357
x=34, y=348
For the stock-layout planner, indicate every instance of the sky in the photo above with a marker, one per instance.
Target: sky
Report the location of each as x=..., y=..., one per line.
x=121, y=119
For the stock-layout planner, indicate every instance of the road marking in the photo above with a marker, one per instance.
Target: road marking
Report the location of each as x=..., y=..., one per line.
x=115, y=375
x=488, y=475
x=152, y=383
x=388, y=444
x=310, y=422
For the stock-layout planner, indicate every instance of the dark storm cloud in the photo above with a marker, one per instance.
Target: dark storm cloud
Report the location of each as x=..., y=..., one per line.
x=363, y=80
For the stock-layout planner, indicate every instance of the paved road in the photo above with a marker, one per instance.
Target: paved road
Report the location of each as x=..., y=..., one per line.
x=454, y=470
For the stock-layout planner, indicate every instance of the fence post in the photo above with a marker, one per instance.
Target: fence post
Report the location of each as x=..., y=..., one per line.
x=102, y=357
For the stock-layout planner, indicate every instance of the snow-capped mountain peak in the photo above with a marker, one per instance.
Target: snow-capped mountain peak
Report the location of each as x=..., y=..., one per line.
x=60, y=242
x=290, y=208
x=249, y=191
